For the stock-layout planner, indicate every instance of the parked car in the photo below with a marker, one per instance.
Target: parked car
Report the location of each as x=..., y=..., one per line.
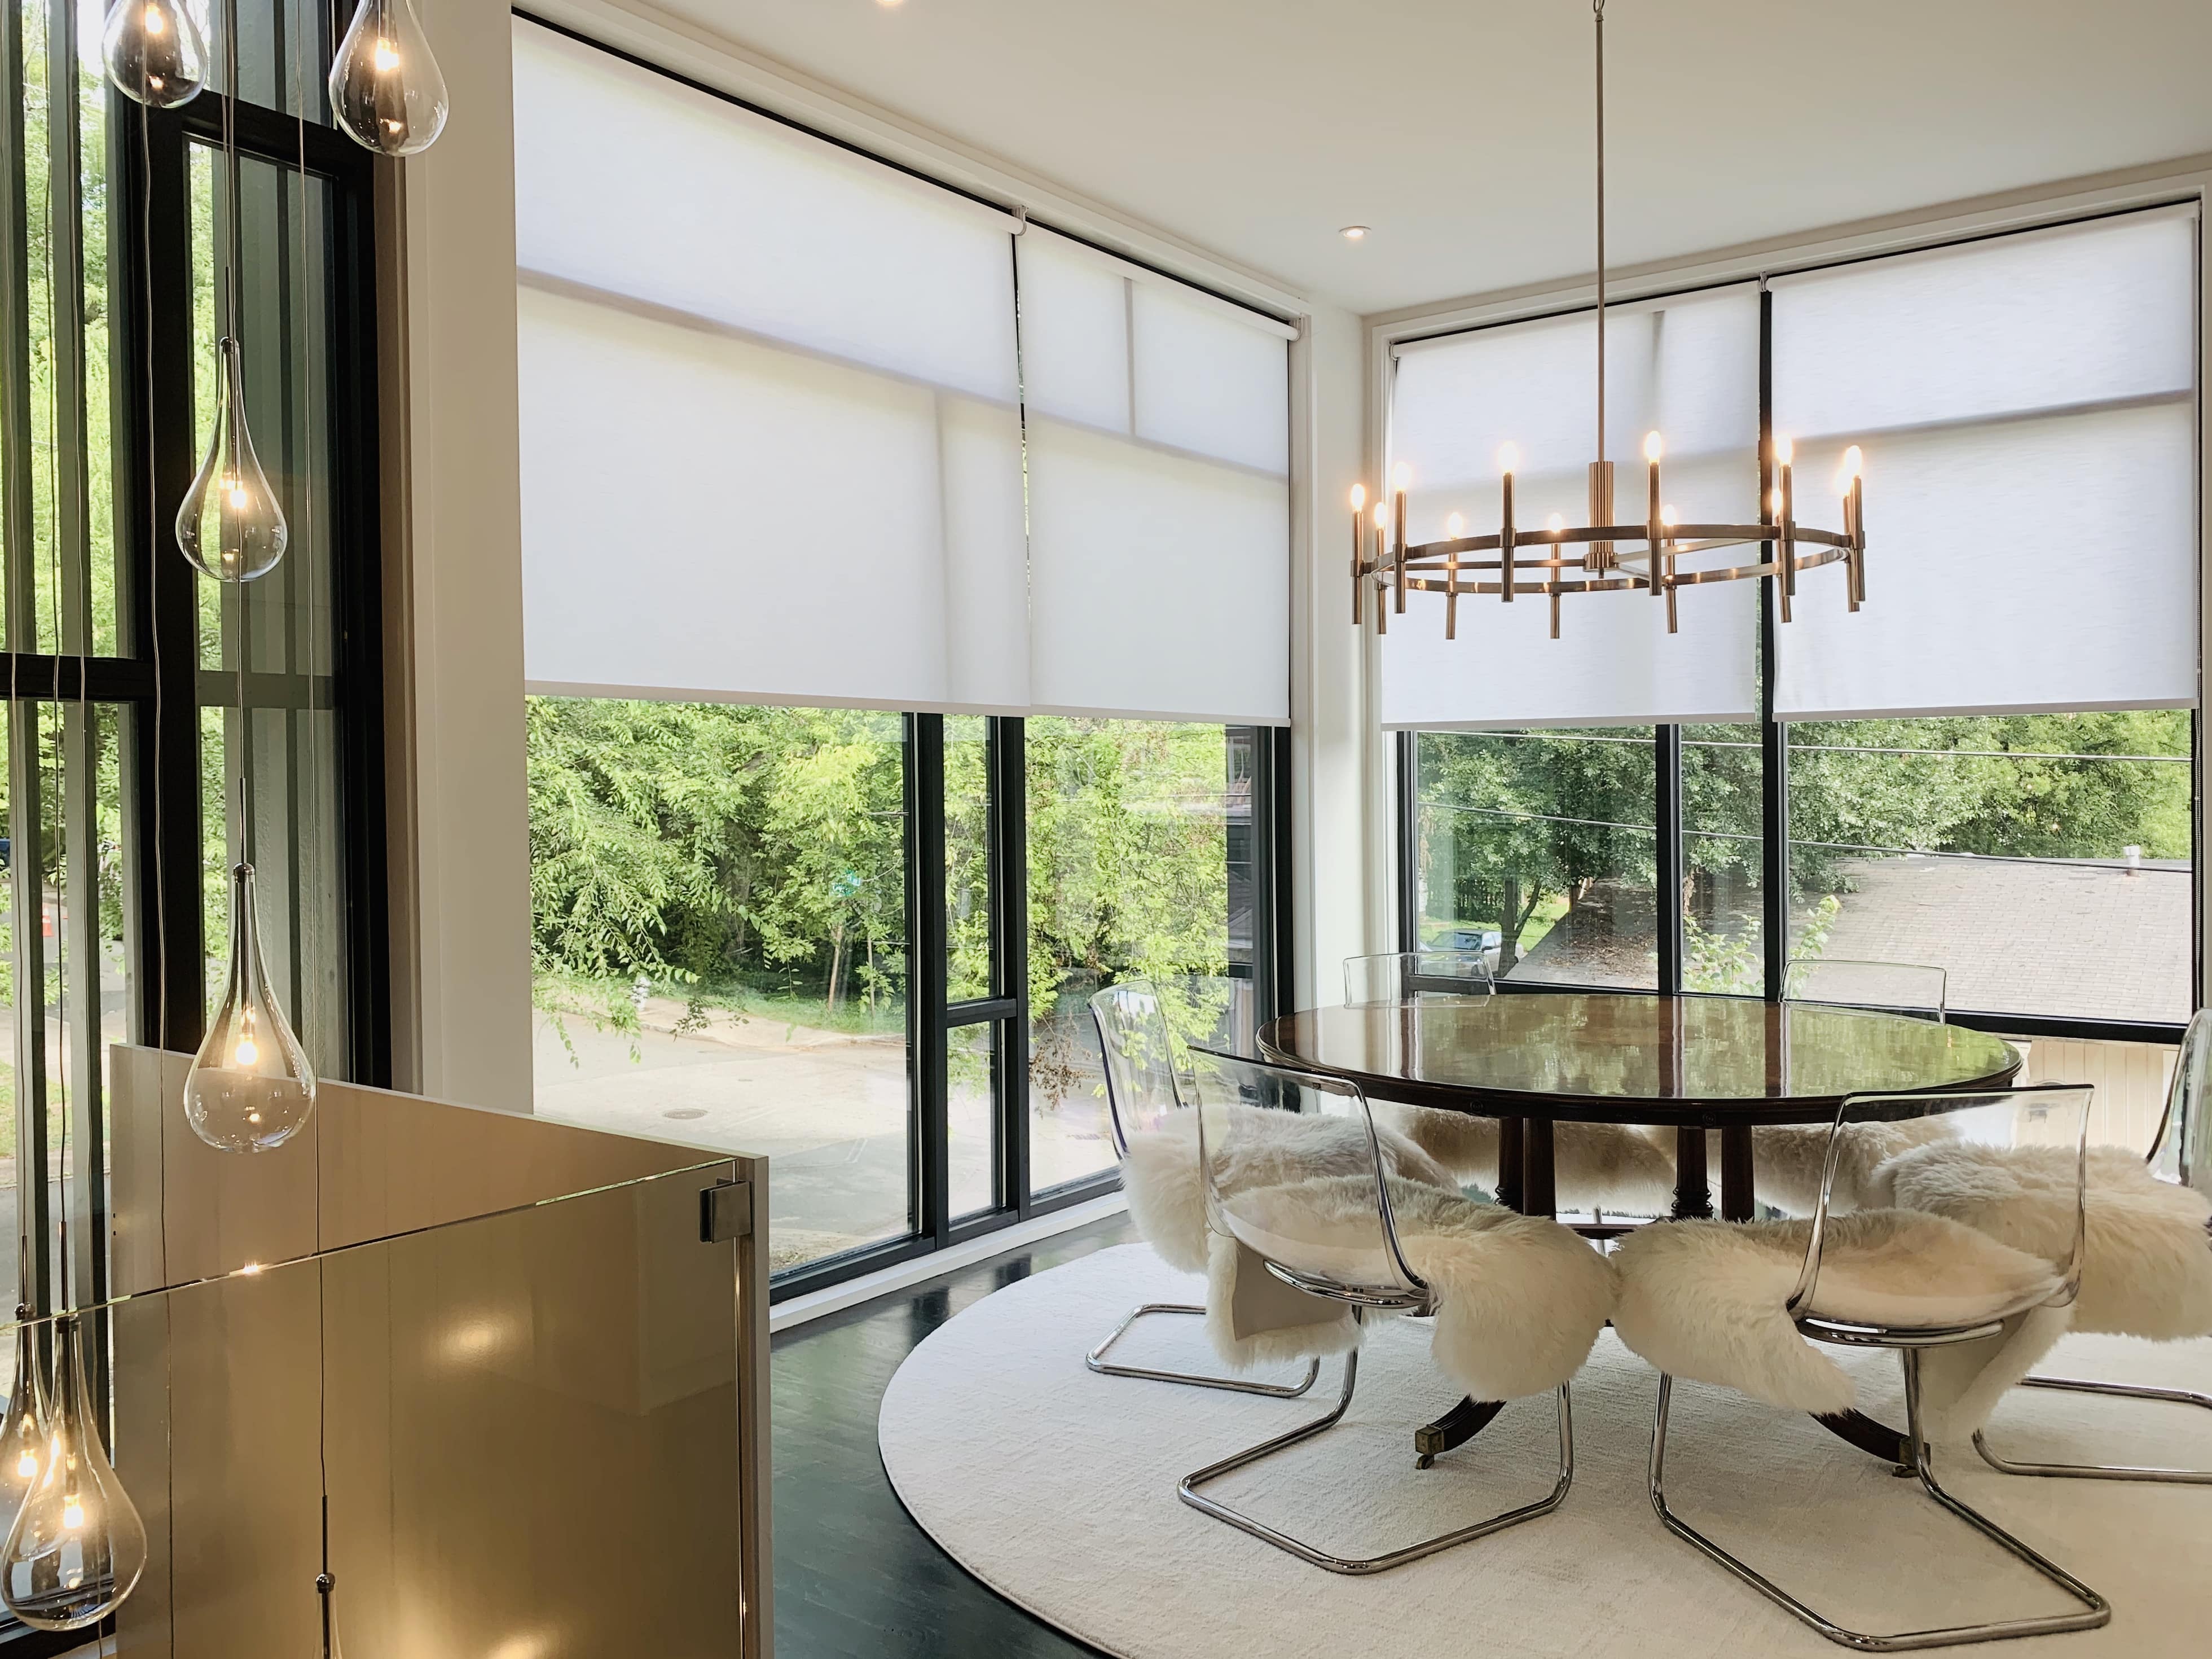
x=1488, y=940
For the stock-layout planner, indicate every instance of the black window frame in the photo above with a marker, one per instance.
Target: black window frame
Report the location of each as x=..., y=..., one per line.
x=932, y=1017
x=1774, y=775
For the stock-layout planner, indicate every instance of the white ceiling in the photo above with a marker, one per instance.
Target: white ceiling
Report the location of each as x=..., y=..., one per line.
x=1462, y=131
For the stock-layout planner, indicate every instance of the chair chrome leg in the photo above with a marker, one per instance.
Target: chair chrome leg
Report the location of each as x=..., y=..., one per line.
x=2104, y=1471
x=1189, y=1493
x=1095, y=1359
x=2096, y=1611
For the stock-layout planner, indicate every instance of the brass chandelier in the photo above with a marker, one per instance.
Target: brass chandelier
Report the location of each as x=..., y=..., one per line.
x=1656, y=554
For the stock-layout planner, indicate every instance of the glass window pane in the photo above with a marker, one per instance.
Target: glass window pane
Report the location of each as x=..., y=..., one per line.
x=971, y=1119
x=1129, y=876
x=1724, y=862
x=718, y=906
x=1536, y=849
x=2043, y=861
x=968, y=895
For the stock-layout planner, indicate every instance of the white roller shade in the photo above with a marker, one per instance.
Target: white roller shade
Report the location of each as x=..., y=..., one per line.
x=771, y=445
x=2026, y=406
x=1158, y=495
x=1687, y=367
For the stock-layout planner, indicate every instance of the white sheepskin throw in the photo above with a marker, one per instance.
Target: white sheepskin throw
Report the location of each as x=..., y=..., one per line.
x=1596, y=1166
x=1707, y=1300
x=1520, y=1299
x=2147, y=1254
x=1167, y=1194
x=1787, y=1159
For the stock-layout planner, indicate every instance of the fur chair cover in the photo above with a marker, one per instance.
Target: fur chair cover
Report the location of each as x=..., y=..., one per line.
x=1520, y=1299
x=1167, y=1194
x=1787, y=1159
x=1708, y=1299
x=1597, y=1166
x=2147, y=1254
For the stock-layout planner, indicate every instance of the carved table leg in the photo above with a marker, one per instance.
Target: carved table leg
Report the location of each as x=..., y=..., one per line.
x=1693, y=1199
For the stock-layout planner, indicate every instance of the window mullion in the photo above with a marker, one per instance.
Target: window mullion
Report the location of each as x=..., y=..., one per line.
x=1667, y=873
x=926, y=1067
x=1774, y=736
x=1009, y=901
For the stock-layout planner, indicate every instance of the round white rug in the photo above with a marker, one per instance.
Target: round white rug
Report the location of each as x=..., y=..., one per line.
x=1057, y=1487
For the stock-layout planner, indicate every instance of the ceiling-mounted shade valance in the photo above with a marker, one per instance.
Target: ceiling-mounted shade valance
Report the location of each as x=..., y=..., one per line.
x=1158, y=494
x=2026, y=407
x=1687, y=367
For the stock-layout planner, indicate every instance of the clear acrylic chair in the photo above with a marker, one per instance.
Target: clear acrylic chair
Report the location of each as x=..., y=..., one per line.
x=1148, y=1079
x=1895, y=988
x=1402, y=976
x=1844, y=1297
x=2180, y=1155
x=1339, y=1237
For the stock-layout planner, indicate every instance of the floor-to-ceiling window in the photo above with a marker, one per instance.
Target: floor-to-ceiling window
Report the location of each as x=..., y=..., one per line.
x=141, y=762
x=924, y=672
x=1990, y=768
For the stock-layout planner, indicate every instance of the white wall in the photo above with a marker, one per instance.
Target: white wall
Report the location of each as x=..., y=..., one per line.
x=1334, y=855
x=461, y=904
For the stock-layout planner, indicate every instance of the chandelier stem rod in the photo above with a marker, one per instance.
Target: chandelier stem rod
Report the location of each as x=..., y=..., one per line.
x=1597, y=8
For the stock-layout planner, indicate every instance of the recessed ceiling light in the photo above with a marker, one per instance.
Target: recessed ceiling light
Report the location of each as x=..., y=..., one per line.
x=1353, y=233
x=888, y=5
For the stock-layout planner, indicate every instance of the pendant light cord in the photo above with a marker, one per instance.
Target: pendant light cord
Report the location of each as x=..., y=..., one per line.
x=1597, y=12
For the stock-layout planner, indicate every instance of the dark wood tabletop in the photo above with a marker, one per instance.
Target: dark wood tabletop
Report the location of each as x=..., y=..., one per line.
x=1621, y=1057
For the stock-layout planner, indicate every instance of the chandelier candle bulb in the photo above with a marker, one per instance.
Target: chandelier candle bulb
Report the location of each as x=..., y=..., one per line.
x=1508, y=459
x=1786, y=512
x=1557, y=526
x=1358, y=533
x=1382, y=522
x=1401, y=476
x=1453, y=527
x=1652, y=447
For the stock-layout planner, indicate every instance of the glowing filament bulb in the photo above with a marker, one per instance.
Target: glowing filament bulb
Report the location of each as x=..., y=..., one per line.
x=1853, y=461
x=1667, y=516
x=1401, y=476
x=1783, y=450
x=1382, y=516
x=1653, y=447
x=155, y=24
x=1774, y=500
x=73, y=1514
x=27, y=1467
x=1454, y=526
x=1508, y=459
x=387, y=60
x=1555, y=524
x=1358, y=497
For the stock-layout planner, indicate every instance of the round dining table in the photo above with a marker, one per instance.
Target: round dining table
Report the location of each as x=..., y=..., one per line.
x=1692, y=1063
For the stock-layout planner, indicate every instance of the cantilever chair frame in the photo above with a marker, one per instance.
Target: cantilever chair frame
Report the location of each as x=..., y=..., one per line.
x=1095, y=1359
x=2183, y=1100
x=1911, y=1342
x=1791, y=977
x=1411, y=1296
x=1481, y=983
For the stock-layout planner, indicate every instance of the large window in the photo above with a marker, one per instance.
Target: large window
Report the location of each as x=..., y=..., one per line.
x=1990, y=768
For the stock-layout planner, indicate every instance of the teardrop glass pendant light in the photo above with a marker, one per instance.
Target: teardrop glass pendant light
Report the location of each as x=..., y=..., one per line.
x=25, y=1428
x=155, y=52
x=77, y=1547
x=230, y=525
x=385, y=88
x=251, y=1089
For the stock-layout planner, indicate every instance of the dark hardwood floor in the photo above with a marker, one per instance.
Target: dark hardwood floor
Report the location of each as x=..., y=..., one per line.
x=854, y=1578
